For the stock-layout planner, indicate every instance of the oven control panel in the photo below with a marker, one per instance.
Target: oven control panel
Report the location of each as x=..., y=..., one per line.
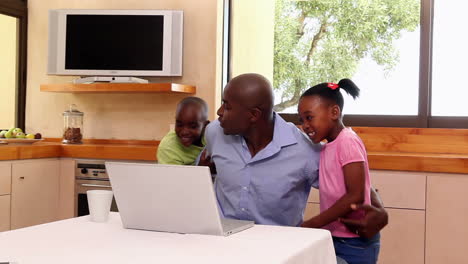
x=91, y=170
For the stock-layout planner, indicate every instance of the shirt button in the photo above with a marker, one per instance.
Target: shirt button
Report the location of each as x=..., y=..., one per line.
x=245, y=188
x=243, y=209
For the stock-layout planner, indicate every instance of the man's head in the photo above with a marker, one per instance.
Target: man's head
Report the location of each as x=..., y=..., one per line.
x=191, y=119
x=247, y=103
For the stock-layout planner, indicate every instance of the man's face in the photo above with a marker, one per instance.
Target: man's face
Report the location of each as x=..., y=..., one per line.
x=233, y=116
x=189, y=124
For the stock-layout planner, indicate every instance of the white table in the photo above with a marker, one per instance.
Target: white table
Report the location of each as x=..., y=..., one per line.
x=79, y=240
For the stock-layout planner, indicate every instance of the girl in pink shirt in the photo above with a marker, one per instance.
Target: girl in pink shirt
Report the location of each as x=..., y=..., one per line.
x=343, y=173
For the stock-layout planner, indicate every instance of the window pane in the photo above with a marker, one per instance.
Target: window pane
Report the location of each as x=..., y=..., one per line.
x=8, y=67
x=375, y=43
x=449, y=90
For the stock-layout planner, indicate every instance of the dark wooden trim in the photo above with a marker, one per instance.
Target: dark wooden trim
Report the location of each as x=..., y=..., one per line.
x=226, y=65
x=394, y=121
x=368, y=120
x=425, y=63
x=448, y=121
x=13, y=7
x=229, y=40
x=18, y=9
x=293, y=118
x=22, y=69
x=382, y=120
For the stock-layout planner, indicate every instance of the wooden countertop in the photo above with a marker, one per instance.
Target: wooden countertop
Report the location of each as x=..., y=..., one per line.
x=424, y=162
x=425, y=150
x=87, y=150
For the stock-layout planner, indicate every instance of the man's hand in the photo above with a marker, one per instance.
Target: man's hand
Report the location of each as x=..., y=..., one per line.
x=375, y=219
x=205, y=160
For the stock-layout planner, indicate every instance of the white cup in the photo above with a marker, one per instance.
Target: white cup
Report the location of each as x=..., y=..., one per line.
x=99, y=203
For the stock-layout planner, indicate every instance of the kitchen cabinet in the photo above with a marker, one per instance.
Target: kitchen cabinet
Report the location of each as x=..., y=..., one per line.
x=5, y=178
x=4, y=212
x=447, y=215
x=5, y=189
x=404, y=197
x=34, y=192
x=66, y=205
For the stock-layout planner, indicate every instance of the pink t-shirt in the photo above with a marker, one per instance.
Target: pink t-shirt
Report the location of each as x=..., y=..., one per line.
x=346, y=148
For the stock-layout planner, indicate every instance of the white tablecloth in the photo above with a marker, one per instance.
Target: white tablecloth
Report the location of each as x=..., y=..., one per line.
x=79, y=240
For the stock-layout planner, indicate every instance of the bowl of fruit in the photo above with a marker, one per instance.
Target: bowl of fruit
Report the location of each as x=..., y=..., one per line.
x=16, y=136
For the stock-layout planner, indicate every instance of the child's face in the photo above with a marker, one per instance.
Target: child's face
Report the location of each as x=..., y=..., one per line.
x=189, y=124
x=316, y=117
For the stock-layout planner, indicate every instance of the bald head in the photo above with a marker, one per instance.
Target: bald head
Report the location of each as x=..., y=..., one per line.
x=252, y=90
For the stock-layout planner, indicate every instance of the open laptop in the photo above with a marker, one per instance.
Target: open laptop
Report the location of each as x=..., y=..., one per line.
x=169, y=198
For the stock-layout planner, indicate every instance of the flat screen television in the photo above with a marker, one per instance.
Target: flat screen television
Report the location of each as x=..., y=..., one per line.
x=115, y=42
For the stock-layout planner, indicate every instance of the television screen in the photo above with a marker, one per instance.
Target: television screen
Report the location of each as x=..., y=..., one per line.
x=119, y=42
x=114, y=42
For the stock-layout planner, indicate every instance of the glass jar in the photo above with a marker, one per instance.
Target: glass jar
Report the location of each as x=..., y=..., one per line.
x=72, y=126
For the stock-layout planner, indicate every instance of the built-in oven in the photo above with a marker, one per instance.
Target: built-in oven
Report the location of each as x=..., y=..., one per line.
x=90, y=175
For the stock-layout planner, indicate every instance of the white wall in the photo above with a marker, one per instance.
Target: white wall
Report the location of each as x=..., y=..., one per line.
x=8, y=69
x=123, y=116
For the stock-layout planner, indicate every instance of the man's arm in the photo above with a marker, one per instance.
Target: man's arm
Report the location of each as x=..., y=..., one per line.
x=376, y=217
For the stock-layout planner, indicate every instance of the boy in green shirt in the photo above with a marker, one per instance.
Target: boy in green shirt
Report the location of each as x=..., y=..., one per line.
x=182, y=146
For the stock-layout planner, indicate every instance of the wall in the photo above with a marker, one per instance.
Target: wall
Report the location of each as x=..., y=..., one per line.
x=252, y=37
x=122, y=116
x=8, y=68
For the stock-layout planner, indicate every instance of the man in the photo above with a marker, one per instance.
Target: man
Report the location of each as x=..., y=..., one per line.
x=265, y=166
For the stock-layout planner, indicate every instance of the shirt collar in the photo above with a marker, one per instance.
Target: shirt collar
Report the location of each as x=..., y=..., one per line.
x=283, y=135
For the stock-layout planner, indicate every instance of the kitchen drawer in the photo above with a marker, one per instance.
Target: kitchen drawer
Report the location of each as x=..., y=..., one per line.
x=400, y=189
x=4, y=212
x=402, y=240
x=5, y=178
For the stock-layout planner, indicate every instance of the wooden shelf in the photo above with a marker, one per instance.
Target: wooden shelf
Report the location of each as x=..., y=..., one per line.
x=119, y=88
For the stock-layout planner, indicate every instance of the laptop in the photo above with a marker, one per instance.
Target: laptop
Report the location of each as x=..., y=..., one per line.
x=169, y=198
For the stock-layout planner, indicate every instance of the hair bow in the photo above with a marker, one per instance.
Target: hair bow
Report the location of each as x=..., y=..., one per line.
x=333, y=86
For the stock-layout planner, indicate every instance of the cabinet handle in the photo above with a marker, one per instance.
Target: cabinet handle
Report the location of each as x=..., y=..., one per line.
x=21, y=178
x=95, y=185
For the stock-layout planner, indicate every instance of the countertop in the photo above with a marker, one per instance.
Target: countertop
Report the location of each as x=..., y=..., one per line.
x=87, y=150
x=146, y=150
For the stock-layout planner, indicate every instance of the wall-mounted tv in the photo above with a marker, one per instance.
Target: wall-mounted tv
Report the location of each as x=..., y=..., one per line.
x=115, y=42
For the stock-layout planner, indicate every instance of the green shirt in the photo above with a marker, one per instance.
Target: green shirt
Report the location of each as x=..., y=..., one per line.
x=171, y=151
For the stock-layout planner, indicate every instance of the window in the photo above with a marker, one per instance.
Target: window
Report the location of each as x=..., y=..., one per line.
x=449, y=92
x=13, y=16
x=385, y=47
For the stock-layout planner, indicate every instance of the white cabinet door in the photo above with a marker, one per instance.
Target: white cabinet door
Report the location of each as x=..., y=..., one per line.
x=35, y=192
x=5, y=178
x=66, y=206
x=402, y=240
x=4, y=212
x=447, y=215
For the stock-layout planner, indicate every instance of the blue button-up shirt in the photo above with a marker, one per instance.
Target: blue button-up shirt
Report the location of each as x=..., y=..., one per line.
x=273, y=186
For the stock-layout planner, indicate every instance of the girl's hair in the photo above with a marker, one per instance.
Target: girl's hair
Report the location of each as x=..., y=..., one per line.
x=331, y=91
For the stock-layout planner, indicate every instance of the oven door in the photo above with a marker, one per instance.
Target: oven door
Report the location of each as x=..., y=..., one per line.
x=81, y=200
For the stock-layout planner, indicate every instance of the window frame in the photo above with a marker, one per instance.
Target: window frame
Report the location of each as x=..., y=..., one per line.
x=424, y=119
x=19, y=10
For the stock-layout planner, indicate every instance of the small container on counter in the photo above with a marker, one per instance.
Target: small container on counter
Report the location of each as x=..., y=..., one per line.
x=72, y=126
